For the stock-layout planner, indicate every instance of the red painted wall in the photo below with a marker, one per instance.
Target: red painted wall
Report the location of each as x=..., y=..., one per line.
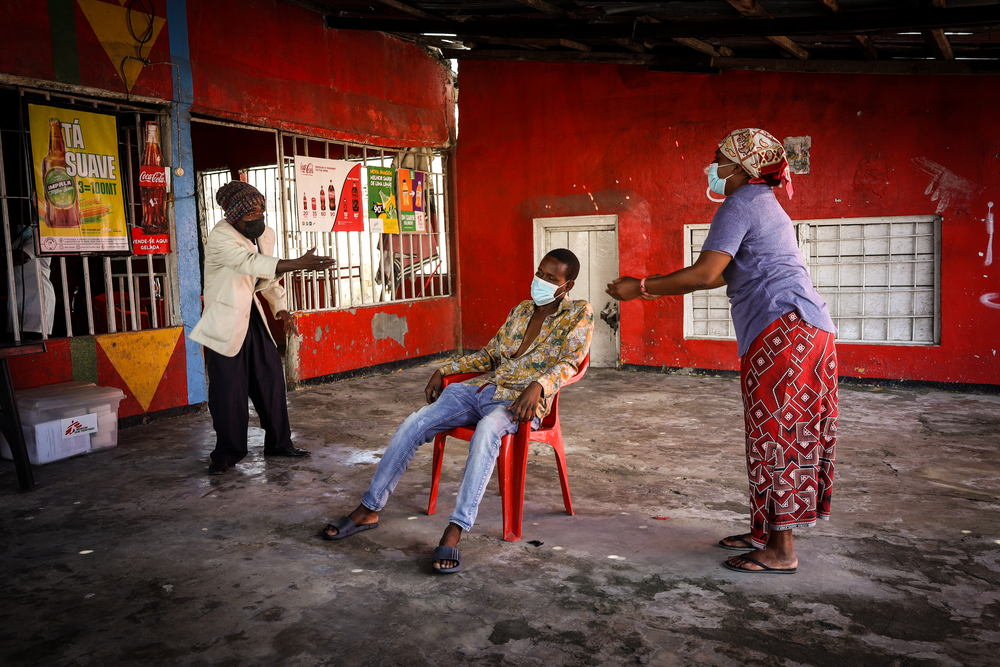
x=274, y=64
x=551, y=139
x=27, y=48
x=335, y=341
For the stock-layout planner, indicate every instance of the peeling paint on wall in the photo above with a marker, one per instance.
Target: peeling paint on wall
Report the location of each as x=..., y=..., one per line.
x=797, y=152
x=989, y=234
x=387, y=325
x=946, y=187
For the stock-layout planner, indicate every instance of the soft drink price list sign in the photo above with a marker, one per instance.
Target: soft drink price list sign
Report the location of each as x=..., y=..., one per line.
x=78, y=181
x=328, y=195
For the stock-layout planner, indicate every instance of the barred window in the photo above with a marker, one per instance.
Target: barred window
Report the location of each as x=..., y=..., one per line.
x=88, y=294
x=372, y=267
x=880, y=278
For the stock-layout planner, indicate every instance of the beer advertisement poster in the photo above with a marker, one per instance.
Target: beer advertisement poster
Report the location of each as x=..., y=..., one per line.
x=78, y=181
x=380, y=199
x=328, y=195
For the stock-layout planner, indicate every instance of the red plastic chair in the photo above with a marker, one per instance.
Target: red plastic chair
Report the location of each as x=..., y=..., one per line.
x=512, y=461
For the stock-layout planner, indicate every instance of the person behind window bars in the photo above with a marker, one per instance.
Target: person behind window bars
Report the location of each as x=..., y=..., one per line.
x=541, y=345
x=785, y=340
x=240, y=353
x=34, y=292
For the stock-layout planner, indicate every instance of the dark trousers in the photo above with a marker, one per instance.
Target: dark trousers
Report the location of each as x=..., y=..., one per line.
x=255, y=372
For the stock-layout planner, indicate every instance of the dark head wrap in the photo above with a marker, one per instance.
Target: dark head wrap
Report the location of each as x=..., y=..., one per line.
x=237, y=198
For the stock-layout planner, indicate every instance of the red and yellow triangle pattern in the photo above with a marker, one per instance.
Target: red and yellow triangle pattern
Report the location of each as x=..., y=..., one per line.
x=147, y=363
x=110, y=22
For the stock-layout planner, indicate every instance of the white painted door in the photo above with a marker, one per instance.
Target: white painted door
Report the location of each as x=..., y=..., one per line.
x=594, y=239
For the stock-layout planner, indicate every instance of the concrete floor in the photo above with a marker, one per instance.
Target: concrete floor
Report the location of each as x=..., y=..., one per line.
x=134, y=555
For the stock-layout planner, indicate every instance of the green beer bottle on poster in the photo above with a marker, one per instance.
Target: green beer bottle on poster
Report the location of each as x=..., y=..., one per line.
x=62, y=209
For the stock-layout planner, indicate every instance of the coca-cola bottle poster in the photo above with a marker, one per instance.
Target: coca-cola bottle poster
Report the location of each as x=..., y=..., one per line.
x=151, y=234
x=77, y=181
x=328, y=195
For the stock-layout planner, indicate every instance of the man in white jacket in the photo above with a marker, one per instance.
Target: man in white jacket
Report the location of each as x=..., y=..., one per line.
x=240, y=353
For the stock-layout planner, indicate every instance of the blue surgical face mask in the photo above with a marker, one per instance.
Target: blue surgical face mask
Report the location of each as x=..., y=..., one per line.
x=716, y=184
x=543, y=292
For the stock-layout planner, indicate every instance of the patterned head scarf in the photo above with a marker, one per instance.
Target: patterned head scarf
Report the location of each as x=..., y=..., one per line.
x=237, y=198
x=759, y=153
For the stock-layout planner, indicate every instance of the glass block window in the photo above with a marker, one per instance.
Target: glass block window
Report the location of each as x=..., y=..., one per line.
x=706, y=312
x=879, y=276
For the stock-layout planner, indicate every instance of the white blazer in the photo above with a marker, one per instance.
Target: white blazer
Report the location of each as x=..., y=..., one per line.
x=234, y=271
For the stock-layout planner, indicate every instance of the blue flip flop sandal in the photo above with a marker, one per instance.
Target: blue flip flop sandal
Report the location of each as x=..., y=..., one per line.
x=764, y=568
x=345, y=528
x=447, y=553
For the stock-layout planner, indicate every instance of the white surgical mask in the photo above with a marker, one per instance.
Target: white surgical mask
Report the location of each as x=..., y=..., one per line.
x=543, y=292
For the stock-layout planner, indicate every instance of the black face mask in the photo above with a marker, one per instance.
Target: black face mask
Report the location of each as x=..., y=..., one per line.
x=252, y=229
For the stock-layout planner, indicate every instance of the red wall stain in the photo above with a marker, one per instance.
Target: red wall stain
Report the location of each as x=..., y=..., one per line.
x=637, y=141
x=50, y=367
x=342, y=340
x=277, y=65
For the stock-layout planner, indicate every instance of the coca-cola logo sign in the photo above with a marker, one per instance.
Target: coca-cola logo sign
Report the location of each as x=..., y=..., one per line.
x=152, y=176
x=308, y=168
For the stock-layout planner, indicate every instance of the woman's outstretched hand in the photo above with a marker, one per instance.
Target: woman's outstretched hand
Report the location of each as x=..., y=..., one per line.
x=625, y=288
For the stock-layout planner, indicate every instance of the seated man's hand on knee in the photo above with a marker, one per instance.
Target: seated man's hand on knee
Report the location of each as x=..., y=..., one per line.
x=526, y=406
x=433, y=389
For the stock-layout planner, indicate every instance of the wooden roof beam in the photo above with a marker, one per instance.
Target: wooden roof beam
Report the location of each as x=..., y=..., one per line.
x=938, y=37
x=752, y=8
x=868, y=50
x=842, y=22
x=700, y=46
x=409, y=9
x=942, y=43
x=548, y=8
x=789, y=45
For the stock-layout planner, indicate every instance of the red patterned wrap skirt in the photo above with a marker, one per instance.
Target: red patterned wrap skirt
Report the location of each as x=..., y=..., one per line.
x=789, y=382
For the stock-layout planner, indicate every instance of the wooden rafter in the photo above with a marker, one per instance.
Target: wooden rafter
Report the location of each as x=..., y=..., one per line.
x=698, y=45
x=409, y=9
x=942, y=43
x=859, y=67
x=842, y=22
x=863, y=42
x=940, y=39
x=868, y=49
x=752, y=8
x=546, y=7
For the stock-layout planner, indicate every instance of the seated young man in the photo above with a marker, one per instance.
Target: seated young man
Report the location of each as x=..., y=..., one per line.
x=539, y=347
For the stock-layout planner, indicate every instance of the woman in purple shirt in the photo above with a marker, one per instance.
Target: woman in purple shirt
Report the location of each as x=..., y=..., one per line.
x=785, y=340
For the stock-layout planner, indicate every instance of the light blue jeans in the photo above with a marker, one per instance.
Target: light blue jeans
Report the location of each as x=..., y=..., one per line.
x=458, y=405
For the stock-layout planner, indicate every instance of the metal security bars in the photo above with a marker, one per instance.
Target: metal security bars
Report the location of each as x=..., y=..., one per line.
x=372, y=267
x=880, y=278
x=88, y=294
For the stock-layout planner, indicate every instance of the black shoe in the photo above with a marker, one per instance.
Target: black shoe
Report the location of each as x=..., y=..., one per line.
x=290, y=450
x=216, y=468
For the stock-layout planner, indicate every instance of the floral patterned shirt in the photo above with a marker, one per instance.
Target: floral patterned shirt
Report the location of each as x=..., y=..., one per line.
x=553, y=357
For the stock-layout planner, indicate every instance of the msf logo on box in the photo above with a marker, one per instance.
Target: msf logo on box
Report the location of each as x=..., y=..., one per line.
x=80, y=425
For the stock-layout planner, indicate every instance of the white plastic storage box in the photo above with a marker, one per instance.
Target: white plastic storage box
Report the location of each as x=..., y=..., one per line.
x=63, y=420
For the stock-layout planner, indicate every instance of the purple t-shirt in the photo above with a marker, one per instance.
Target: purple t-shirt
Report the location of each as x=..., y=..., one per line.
x=767, y=277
